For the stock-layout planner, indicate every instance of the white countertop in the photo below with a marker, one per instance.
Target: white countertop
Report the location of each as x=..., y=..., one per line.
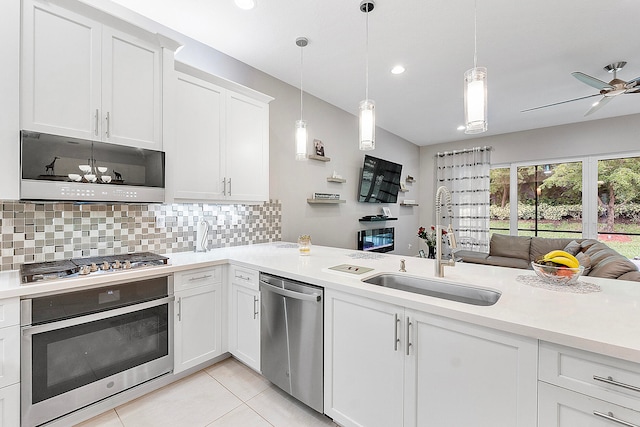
x=606, y=322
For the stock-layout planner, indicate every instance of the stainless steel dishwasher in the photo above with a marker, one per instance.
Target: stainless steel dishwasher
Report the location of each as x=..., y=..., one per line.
x=291, y=337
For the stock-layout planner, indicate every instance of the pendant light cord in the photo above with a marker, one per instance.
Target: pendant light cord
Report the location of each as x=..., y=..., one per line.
x=475, y=34
x=301, y=64
x=366, y=96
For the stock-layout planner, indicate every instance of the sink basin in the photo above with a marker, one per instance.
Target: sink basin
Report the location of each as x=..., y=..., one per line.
x=437, y=289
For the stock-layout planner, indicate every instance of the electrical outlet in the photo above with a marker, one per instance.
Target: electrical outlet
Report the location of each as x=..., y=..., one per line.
x=160, y=221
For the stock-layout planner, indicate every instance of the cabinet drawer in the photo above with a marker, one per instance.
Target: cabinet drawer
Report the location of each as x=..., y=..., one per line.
x=245, y=276
x=198, y=277
x=9, y=312
x=603, y=377
x=558, y=407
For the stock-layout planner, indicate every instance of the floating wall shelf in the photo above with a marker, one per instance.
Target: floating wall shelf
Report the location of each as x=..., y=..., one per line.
x=408, y=204
x=377, y=218
x=330, y=179
x=325, y=201
x=403, y=190
x=319, y=158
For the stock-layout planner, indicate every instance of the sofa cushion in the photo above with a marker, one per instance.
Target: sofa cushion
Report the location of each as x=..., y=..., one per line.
x=471, y=256
x=606, y=262
x=632, y=275
x=540, y=246
x=504, y=261
x=585, y=261
x=510, y=246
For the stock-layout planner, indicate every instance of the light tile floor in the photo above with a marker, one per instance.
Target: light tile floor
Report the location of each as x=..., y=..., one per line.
x=227, y=394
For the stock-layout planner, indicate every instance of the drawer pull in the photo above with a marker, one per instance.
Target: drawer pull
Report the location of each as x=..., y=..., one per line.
x=206, y=276
x=240, y=276
x=610, y=380
x=609, y=416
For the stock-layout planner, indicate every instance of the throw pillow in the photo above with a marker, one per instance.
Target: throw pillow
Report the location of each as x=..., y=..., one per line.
x=573, y=248
x=585, y=261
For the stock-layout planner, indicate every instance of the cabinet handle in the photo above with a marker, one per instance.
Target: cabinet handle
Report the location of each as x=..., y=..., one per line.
x=609, y=416
x=408, y=334
x=240, y=276
x=255, y=308
x=396, y=340
x=180, y=309
x=97, y=122
x=206, y=276
x=108, y=125
x=224, y=188
x=610, y=380
x=229, y=186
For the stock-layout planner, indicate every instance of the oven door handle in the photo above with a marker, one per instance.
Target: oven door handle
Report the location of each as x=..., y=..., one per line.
x=37, y=329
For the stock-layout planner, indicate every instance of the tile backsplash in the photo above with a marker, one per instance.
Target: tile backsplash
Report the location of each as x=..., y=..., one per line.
x=36, y=232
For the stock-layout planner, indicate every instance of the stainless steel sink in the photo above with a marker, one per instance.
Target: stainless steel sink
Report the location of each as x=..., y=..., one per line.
x=437, y=289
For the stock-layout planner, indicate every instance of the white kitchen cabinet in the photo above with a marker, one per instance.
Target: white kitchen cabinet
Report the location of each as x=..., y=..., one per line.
x=10, y=362
x=559, y=407
x=198, y=317
x=586, y=389
x=221, y=151
x=82, y=78
x=200, y=131
x=244, y=316
x=387, y=365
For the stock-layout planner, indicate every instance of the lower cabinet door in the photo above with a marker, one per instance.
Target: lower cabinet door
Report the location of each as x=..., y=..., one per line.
x=459, y=374
x=197, y=326
x=559, y=407
x=10, y=406
x=244, y=336
x=363, y=361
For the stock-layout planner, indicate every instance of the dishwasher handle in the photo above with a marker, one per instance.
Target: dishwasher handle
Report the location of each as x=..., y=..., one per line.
x=291, y=294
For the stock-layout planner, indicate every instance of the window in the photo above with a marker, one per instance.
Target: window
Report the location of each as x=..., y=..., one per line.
x=619, y=204
x=499, y=200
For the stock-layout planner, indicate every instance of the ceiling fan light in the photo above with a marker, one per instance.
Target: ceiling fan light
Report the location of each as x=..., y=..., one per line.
x=367, y=117
x=475, y=100
x=301, y=140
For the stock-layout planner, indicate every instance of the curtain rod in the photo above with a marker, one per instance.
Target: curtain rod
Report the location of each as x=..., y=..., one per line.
x=467, y=150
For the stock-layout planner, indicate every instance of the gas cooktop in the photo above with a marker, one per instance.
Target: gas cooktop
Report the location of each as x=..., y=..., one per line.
x=85, y=266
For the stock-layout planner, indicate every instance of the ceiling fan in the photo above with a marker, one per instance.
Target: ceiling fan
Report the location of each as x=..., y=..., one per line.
x=608, y=91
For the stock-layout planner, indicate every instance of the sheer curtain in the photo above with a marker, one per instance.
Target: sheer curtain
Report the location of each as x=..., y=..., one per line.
x=466, y=174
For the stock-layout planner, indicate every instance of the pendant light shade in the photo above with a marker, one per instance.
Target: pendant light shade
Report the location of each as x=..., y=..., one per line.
x=475, y=88
x=367, y=118
x=475, y=100
x=367, y=110
x=301, y=125
x=301, y=140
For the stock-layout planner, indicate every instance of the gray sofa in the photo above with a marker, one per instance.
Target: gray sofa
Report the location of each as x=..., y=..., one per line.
x=598, y=259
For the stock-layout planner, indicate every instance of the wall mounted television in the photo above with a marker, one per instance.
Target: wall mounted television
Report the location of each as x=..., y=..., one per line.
x=379, y=181
x=377, y=239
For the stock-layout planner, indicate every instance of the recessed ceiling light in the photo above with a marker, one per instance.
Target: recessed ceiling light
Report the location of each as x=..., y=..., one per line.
x=461, y=127
x=398, y=69
x=595, y=103
x=246, y=4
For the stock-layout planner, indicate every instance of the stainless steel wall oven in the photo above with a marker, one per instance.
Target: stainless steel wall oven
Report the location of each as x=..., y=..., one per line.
x=80, y=347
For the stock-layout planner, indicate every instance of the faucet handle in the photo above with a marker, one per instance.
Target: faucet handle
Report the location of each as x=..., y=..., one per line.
x=402, y=267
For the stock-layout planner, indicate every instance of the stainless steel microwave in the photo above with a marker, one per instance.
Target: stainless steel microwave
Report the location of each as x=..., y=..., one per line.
x=55, y=167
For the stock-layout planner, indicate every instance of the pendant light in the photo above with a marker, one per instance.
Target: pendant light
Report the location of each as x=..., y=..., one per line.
x=367, y=110
x=301, y=125
x=475, y=88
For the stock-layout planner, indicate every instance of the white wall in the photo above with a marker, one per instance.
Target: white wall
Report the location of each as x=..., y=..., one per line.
x=293, y=182
x=597, y=137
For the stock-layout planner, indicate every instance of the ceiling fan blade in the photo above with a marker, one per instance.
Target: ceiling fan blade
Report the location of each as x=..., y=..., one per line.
x=598, y=105
x=558, y=103
x=633, y=83
x=591, y=81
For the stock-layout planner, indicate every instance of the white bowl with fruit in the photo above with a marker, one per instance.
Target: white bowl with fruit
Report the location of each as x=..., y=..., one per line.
x=558, y=268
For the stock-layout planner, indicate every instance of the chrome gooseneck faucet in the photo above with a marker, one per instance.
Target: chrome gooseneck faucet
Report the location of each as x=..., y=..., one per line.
x=440, y=264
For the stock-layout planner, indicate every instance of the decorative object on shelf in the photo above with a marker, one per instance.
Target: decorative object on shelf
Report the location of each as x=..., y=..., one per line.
x=386, y=212
x=319, y=158
x=475, y=88
x=429, y=238
x=410, y=179
x=117, y=176
x=51, y=167
x=326, y=196
x=367, y=115
x=403, y=187
x=304, y=245
x=374, y=218
x=301, y=125
x=336, y=178
x=319, y=147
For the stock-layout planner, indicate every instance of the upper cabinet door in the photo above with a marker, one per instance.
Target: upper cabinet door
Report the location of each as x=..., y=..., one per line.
x=199, y=122
x=247, y=148
x=131, y=91
x=60, y=71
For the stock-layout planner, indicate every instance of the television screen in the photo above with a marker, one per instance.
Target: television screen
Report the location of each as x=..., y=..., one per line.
x=380, y=181
x=376, y=240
